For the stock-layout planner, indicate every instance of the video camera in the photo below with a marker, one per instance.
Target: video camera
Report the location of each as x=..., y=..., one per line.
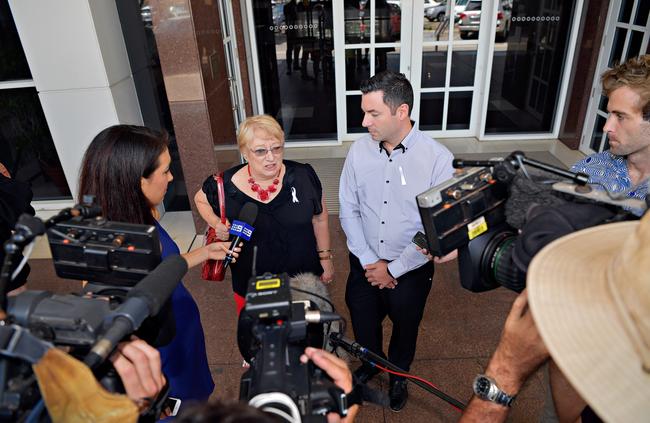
x=272, y=334
x=483, y=211
x=119, y=298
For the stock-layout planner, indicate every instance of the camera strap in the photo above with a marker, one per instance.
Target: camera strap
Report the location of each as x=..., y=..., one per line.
x=18, y=342
x=355, y=396
x=361, y=392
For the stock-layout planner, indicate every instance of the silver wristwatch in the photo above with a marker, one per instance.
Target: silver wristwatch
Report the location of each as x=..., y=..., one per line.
x=486, y=389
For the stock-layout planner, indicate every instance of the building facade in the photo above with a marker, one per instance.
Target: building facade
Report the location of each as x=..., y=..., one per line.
x=490, y=70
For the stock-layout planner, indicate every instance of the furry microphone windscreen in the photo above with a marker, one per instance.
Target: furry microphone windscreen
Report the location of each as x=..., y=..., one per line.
x=524, y=193
x=312, y=284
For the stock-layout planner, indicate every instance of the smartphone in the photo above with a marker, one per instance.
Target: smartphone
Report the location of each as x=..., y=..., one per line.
x=420, y=240
x=173, y=405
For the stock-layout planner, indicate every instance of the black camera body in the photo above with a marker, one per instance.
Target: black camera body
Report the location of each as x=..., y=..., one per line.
x=273, y=333
x=482, y=210
x=461, y=208
x=113, y=257
x=102, y=251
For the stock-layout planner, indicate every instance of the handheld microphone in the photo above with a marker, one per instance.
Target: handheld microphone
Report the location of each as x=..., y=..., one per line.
x=242, y=228
x=144, y=300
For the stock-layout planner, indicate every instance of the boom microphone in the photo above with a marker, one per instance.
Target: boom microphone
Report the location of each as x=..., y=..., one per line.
x=144, y=300
x=242, y=228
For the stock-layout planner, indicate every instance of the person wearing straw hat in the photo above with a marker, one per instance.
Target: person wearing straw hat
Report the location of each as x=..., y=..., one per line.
x=589, y=306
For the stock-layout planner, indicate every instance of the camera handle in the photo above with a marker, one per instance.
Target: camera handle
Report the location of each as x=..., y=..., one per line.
x=517, y=159
x=359, y=351
x=27, y=229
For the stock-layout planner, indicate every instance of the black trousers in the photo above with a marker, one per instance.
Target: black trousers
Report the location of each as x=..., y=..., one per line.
x=404, y=305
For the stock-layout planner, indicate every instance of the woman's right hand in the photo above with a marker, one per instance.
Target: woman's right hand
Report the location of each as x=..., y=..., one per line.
x=219, y=250
x=213, y=251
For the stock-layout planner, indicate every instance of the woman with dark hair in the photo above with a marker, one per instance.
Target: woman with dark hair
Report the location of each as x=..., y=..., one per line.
x=127, y=169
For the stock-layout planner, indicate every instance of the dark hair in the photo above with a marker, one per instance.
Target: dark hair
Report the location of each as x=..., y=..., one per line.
x=225, y=412
x=635, y=73
x=112, y=168
x=397, y=89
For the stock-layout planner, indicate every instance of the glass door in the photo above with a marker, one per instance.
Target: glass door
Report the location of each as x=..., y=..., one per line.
x=445, y=57
x=528, y=70
x=293, y=45
x=626, y=35
x=373, y=35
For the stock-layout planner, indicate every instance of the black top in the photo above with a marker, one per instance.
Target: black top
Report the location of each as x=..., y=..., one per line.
x=284, y=234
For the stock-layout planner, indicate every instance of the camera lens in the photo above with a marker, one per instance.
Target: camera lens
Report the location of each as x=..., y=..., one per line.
x=497, y=262
x=487, y=262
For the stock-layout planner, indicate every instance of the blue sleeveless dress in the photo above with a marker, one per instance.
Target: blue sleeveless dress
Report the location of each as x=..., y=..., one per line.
x=184, y=360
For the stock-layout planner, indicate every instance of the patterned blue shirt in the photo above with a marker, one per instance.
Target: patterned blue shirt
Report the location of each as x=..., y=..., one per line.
x=609, y=171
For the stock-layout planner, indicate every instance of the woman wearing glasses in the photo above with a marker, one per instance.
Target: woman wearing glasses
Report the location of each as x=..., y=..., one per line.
x=291, y=230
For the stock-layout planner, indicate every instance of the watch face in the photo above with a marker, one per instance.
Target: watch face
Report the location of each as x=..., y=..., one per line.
x=482, y=386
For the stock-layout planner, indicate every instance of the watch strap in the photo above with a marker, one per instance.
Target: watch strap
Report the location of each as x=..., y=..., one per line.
x=504, y=399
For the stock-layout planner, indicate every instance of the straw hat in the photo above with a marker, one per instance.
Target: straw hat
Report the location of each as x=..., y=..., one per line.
x=589, y=293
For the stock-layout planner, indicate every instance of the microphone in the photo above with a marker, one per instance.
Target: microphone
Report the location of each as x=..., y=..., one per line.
x=241, y=228
x=144, y=300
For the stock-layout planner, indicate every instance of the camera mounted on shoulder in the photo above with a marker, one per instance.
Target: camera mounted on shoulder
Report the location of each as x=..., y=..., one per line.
x=499, y=214
x=127, y=288
x=272, y=334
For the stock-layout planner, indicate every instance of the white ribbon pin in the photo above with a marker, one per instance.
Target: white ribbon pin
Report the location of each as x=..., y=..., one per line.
x=293, y=195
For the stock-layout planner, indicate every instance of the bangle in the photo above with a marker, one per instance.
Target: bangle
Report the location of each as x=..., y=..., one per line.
x=327, y=250
x=325, y=258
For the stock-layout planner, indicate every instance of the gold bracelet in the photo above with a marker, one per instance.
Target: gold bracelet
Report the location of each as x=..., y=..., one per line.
x=325, y=258
x=327, y=250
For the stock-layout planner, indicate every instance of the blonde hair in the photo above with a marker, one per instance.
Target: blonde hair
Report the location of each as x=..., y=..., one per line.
x=635, y=73
x=265, y=123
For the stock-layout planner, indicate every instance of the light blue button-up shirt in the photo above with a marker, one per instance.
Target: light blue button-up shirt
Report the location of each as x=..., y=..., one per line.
x=379, y=213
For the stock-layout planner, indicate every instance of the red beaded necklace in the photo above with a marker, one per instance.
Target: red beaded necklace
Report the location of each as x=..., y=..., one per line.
x=263, y=194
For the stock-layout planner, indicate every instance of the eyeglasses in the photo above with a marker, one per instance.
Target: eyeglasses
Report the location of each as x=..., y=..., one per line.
x=262, y=152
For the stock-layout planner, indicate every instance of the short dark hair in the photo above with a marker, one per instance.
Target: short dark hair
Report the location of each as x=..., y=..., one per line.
x=112, y=168
x=397, y=89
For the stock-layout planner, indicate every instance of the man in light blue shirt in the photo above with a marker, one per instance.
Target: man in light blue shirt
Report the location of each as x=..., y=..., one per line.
x=383, y=173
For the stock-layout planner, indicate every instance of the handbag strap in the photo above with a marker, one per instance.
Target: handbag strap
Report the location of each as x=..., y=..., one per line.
x=222, y=196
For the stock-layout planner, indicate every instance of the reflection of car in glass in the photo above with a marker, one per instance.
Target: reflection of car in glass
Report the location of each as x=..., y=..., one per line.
x=459, y=8
x=436, y=13
x=470, y=19
x=388, y=21
x=428, y=4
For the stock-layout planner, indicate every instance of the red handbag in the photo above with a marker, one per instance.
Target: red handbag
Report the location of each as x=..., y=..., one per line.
x=213, y=270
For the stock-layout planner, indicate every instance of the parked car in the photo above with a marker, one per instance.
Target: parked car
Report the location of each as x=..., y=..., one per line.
x=436, y=13
x=429, y=4
x=459, y=7
x=470, y=18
